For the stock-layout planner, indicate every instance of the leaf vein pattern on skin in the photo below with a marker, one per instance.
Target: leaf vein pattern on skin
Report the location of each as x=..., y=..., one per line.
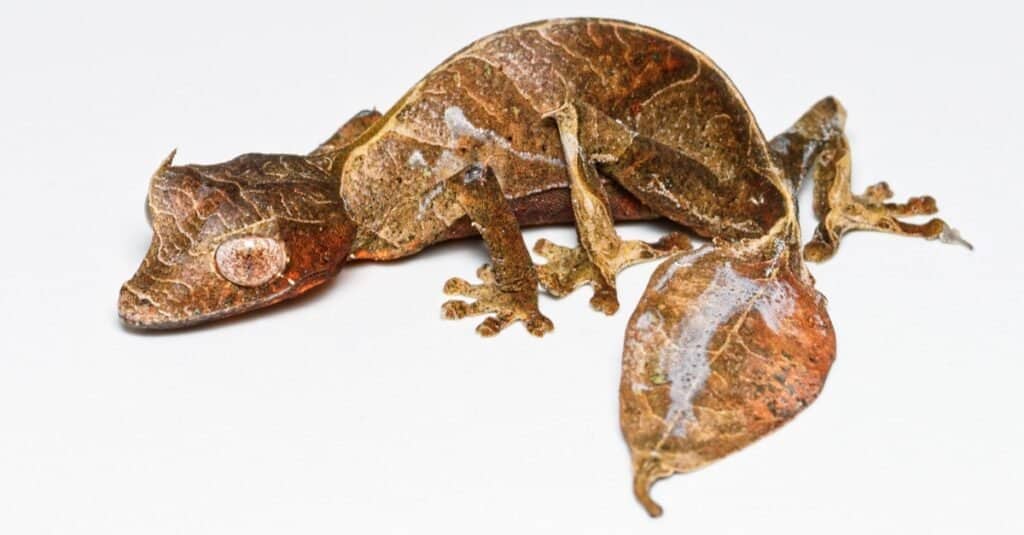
x=511, y=81
x=678, y=83
x=542, y=32
x=458, y=125
x=686, y=361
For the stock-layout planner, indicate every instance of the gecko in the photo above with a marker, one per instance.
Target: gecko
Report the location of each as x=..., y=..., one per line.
x=568, y=121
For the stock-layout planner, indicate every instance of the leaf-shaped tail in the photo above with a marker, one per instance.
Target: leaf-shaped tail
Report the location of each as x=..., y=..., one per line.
x=726, y=345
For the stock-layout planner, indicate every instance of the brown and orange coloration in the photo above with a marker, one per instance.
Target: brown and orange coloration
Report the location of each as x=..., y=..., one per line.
x=577, y=120
x=728, y=343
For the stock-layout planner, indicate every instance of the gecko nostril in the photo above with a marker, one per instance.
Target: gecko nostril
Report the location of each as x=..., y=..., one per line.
x=136, y=309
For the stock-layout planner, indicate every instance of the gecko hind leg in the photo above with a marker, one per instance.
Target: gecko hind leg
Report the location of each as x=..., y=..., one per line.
x=508, y=289
x=602, y=254
x=568, y=268
x=815, y=147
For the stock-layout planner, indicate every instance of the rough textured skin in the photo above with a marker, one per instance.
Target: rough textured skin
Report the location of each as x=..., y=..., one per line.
x=194, y=209
x=487, y=105
x=579, y=120
x=509, y=288
x=727, y=344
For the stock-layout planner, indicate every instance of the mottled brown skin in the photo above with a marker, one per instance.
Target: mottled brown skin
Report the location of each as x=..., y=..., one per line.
x=582, y=121
x=727, y=344
x=194, y=209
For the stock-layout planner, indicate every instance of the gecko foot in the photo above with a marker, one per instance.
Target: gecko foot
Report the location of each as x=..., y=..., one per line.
x=568, y=268
x=507, y=306
x=871, y=211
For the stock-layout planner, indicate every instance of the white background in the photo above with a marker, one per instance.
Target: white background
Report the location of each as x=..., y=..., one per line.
x=358, y=410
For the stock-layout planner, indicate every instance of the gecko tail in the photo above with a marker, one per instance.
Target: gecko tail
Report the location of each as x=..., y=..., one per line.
x=646, y=472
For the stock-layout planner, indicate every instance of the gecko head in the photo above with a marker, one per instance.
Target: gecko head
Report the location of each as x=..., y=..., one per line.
x=233, y=237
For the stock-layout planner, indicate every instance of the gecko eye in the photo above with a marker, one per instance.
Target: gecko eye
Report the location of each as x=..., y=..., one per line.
x=251, y=261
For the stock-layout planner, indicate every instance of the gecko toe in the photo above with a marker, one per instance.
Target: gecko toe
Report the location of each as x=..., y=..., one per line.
x=539, y=325
x=455, y=309
x=486, y=274
x=493, y=325
x=605, y=300
x=457, y=286
x=507, y=305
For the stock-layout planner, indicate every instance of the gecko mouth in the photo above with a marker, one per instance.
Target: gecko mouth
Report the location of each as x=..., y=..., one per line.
x=142, y=310
x=163, y=297
x=157, y=307
x=234, y=237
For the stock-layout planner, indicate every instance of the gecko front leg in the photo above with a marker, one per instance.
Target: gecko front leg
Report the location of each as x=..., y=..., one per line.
x=602, y=254
x=508, y=287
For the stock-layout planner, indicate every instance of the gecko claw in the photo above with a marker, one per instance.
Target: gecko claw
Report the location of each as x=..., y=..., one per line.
x=507, y=306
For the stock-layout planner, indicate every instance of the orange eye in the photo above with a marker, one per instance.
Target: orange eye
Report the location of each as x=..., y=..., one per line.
x=251, y=261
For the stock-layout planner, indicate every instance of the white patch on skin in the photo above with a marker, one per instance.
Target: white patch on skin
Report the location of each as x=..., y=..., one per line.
x=416, y=159
x=776, y=302
x=428, y=198
x=446, y=165
x=686, y=360
x=657, y=187
x=647, y=319
x=639, y=388
x=460, y=126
